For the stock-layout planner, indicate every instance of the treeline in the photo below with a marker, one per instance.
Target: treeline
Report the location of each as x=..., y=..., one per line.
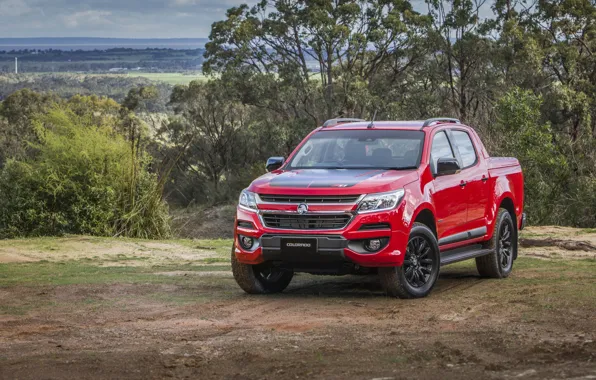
x=54, y=60
x=524, y=78
x=66, y=86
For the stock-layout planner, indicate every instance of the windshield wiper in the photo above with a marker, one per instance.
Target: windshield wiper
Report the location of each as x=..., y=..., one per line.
x=339, y=167
x=402, y=168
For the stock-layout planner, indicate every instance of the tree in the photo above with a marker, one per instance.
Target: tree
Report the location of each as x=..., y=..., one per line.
x=338, y=39
x=16, y=130
x=462, y=53
x=210, y=124
x=524, y=136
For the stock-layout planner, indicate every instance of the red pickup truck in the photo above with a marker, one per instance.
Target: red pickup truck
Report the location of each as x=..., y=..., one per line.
x=396, y=198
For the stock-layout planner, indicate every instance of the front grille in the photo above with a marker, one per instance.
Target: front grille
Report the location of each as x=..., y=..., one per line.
x=306, y=222
x=309, y=199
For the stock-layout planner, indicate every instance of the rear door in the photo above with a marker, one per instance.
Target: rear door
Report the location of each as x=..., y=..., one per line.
x=474, y=174
x=450, y=203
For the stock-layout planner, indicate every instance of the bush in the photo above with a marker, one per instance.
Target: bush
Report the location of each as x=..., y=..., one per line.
x=83, y=179
x=557, y=190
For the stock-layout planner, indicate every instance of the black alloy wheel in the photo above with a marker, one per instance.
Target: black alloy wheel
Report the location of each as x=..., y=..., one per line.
x=505, y=246
x=260, y=279
x=417, y=275
x=418, y=264
x=268, y=273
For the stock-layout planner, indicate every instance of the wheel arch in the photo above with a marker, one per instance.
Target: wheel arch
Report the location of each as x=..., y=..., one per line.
x=426, y=216
x=507, y=204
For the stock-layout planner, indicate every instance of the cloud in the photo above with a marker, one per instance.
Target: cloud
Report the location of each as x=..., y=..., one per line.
x=14, y=8
x=185, y=2
x=112, y=18
x=87, y=18
x=209, y=4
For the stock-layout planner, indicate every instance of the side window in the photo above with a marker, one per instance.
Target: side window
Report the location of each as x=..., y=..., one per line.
x=440, y=149
x=465, y=147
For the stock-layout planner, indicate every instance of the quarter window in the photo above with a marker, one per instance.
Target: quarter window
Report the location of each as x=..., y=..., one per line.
x=465, y=147
x=441, y=148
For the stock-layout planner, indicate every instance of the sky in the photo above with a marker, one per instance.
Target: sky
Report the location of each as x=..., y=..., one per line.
x=117, y=18
x=111, y=18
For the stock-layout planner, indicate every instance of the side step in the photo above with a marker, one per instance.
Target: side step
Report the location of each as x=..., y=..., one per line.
x=460, y=254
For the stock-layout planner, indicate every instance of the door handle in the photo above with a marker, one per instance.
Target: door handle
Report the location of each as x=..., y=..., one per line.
x=484, y=178
x=463, y=184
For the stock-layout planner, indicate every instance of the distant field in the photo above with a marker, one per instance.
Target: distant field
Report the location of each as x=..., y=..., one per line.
x=170, y=78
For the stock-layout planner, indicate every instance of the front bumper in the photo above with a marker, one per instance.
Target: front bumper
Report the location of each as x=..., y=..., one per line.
x=334, y=246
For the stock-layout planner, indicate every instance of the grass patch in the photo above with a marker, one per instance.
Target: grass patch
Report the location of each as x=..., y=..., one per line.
x=80, y=272
x=171, y=78
x=586, y=231
x=15, y=309
x=528, y=234
x=215, y=260
x=223, y=247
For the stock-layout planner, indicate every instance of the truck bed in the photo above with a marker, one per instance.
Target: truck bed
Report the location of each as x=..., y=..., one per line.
x=501, y=162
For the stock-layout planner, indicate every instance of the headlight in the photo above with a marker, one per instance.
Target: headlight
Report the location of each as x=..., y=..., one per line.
x=380, y=201
x=248, y=200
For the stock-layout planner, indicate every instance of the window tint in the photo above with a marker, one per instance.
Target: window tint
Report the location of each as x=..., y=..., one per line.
x=465, y=148
x=355, y=149
x=440, y=149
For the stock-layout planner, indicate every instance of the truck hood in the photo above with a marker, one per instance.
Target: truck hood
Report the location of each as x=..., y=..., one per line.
x=332, y=181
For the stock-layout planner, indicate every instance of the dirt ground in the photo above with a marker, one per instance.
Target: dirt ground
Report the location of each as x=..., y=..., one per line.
x=90, y=308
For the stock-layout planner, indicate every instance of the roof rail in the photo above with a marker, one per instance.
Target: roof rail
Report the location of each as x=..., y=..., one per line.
x=440, y=120
x=334, y=122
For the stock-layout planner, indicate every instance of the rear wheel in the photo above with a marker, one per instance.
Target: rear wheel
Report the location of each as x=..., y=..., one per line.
x=260, y=279
x=420, y=270
x=500, y=262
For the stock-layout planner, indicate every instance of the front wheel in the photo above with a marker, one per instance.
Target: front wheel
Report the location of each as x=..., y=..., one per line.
x=260, y=279
x=420, y=270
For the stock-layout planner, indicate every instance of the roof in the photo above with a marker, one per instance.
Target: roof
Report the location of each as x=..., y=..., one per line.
x=380, y=124
x=402, y=124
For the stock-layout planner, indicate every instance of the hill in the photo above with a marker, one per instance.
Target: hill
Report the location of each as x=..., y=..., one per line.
x=92, y=43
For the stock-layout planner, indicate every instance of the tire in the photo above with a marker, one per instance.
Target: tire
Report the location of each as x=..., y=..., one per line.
x=260, y=279
x=417, y=276
x=499, y=263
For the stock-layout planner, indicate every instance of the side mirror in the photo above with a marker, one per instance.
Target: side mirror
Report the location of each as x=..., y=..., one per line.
x=447, y=166
x=274, y=163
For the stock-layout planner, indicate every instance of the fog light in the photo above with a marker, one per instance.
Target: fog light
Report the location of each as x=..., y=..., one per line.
x=373, y=245
x=246, y=242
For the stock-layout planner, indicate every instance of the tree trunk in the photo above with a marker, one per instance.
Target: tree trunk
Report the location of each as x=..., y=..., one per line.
x=329, y=89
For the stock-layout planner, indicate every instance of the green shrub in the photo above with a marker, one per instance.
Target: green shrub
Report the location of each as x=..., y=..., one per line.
x=557, y=191
x=83, y=179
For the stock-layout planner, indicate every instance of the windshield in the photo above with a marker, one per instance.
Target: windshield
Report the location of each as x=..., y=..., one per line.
x=360, y=149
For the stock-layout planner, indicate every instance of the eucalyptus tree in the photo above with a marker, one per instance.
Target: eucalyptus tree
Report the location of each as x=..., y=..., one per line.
x=208, y=129
x=566, y=30
x=319, y=45
x=462, y=53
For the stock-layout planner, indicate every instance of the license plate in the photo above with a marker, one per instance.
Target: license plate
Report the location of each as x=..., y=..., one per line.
x=298, y=245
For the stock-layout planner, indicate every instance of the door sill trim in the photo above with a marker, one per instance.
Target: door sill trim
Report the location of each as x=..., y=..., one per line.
x=464, y=253
x=463, y=236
